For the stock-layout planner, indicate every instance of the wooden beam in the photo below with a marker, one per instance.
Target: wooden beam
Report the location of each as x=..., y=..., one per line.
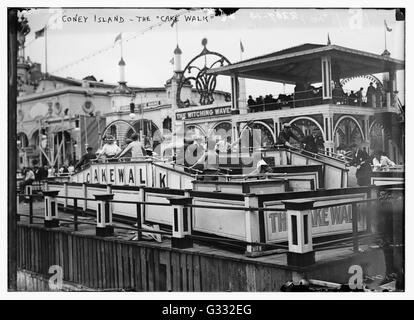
x=12, y=151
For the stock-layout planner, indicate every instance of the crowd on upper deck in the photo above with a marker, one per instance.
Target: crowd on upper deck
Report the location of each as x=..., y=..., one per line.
x=305, y=95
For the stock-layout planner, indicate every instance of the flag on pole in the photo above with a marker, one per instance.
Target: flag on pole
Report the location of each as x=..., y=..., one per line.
x=329, y=40
x=172, y=60
x=241, y=47
x=40, y=33
x=118, y=37
x=387, y=27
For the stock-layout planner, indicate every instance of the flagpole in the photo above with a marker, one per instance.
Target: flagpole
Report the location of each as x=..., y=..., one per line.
x=385, y=34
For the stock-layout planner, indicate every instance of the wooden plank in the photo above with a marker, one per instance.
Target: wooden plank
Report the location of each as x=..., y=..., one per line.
x=125, y=267
x=32, y=250
x=137, y=268
x=150, y=263
x=190, y=272
x=70, y=258
x=168, y=270
x=143, y=269
x=119, y=266
x=196, y=272
x=251, y=277
x=36, y=251
x=204, y=274
x=176, y=272
x=157, y=272
x=112, y=265
x=267, y=279
x=184, y=277
x=101, y=265
x=109, y=267
x=92, y=259
x=131, y=266
x=62, y=254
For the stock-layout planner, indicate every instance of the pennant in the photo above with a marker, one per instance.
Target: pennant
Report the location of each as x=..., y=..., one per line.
x=387, y=27
x=40, y=33
x=241, y=47
x=329, y=40
x=172, y=60
x=118, y=37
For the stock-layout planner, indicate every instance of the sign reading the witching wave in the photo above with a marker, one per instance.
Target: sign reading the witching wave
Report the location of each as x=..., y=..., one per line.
x=204, y=113
x=325, y=221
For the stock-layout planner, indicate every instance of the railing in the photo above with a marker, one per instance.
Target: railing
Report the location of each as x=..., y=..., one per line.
x=182, y=233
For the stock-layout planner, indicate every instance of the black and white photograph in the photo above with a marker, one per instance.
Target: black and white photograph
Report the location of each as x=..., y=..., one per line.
x=206, y=149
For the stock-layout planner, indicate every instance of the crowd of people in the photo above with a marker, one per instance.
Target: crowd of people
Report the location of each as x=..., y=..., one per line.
x=307, y=95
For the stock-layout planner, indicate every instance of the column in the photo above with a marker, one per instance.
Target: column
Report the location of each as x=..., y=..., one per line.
x=234, y=93
x=51, y=209
x=104, y=226
x=299, y=224
x=326, y=77
x=328, y=133
x=181, y=222
x=252, y=224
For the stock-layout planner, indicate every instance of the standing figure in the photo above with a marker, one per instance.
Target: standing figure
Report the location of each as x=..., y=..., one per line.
x=361, y=160
x=371, y=93
x=313, y=142
x=285, y=135
x=136, y=148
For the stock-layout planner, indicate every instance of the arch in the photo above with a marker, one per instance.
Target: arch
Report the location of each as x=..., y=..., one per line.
x=347, y=134
x=220, y=123
x=265, y=139
x=354, y=120
x=198, y=127
x=22, y=139
x=311, y=120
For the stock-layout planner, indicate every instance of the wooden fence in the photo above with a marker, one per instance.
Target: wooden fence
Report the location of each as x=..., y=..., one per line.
x=112, y=264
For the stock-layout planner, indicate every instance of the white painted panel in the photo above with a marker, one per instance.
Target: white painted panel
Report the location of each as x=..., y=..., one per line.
x=125, y=209
x=158, y=214
x=226, y=223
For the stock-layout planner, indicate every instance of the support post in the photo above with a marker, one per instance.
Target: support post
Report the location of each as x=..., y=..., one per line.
x=181, y=222
x=252, y=223
x=354, y=218
x=75, y=214
x=28, y=190
x=104, y=226
x=65, y=193
x=51, y=209
x=85, y=195
x=300, y=232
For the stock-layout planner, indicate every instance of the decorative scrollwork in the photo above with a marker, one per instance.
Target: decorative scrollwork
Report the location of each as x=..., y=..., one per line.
x=205, y=84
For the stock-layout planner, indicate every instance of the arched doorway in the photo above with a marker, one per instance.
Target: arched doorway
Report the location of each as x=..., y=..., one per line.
x=222, y=131
x=256, y=135
x=303, y=127
x=347, y=132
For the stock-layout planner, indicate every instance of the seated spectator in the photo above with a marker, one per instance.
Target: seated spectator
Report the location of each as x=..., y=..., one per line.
x=352, y=98
x=28, y=179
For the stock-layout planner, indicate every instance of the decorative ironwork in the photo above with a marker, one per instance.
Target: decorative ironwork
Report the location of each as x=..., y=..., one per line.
x=205, y=84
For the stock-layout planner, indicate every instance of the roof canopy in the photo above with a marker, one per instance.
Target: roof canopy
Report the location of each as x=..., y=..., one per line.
x=303, y=64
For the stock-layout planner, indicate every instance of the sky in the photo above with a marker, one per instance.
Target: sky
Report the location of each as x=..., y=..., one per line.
x=149, y=39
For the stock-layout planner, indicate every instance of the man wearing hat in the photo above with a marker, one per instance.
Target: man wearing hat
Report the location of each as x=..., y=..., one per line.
x=110, y=148
x=285, y=135
x=313, y=142
x=86, y=158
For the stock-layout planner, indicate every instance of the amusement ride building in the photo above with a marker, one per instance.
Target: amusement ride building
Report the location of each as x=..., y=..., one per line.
x=58, y=117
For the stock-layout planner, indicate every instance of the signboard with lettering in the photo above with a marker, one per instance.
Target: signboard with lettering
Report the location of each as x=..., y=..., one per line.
x=203, y=113
x=330, y=220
